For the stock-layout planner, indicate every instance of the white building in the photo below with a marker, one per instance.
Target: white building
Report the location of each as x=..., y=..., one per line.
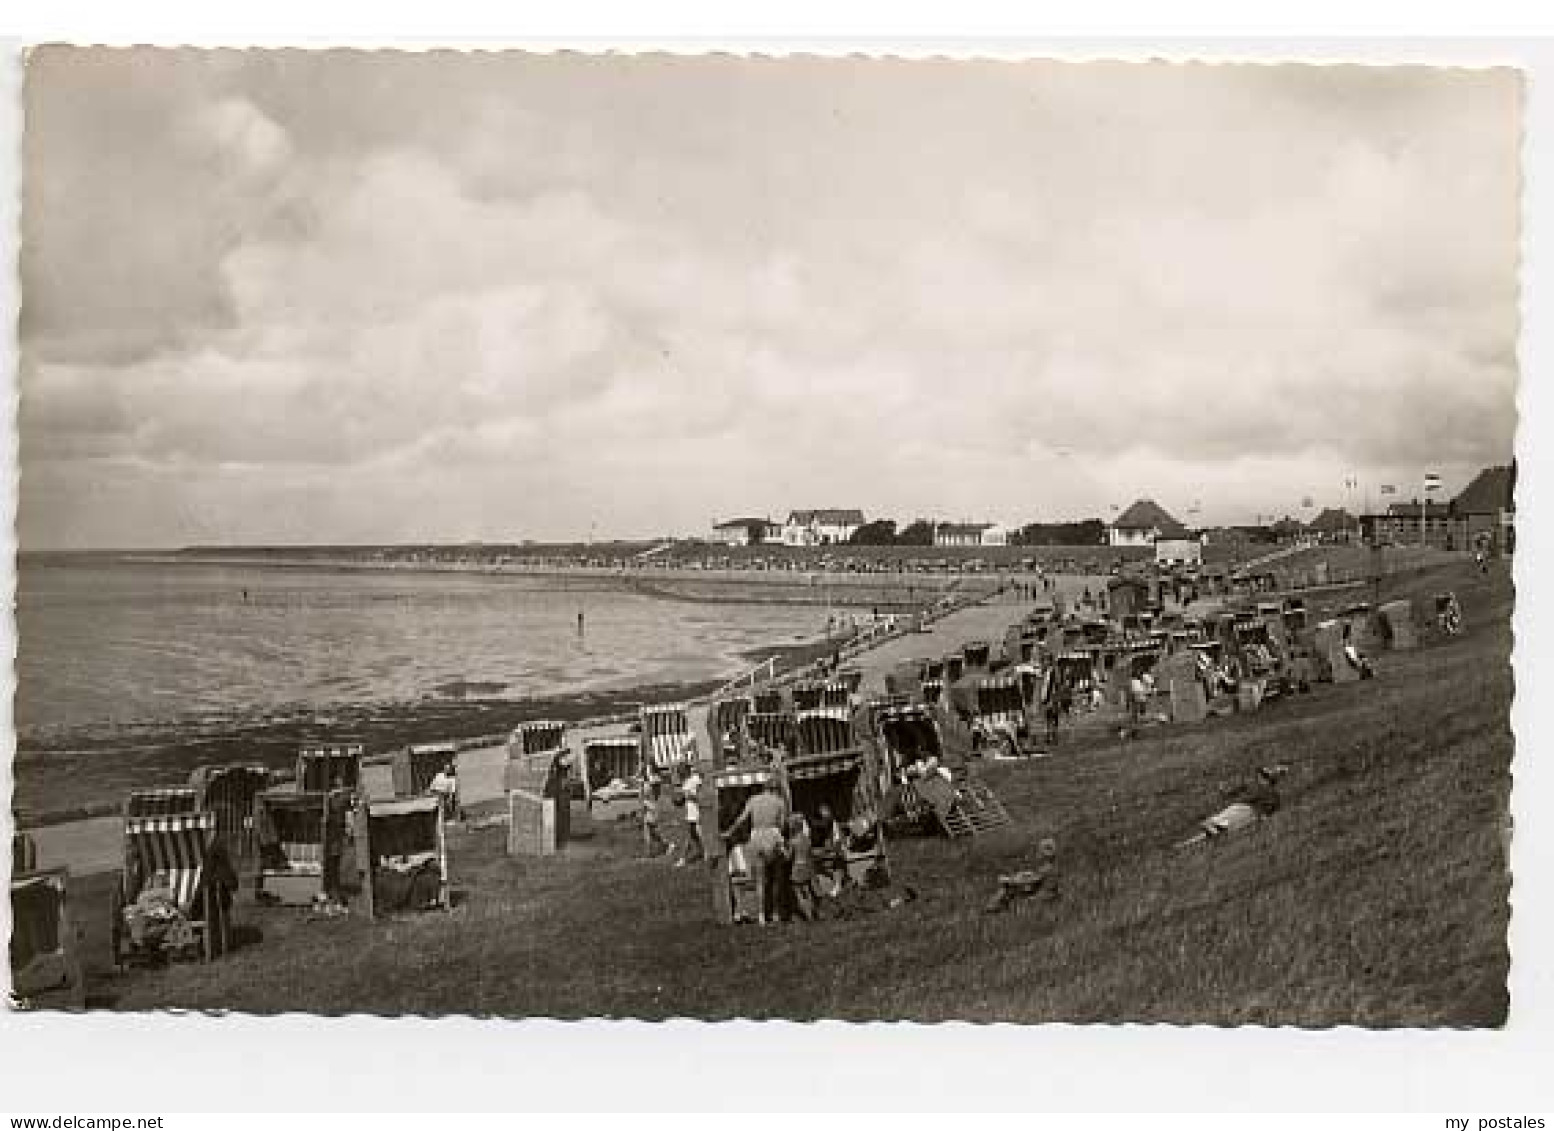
x=1142, y=523
x=970, y=534
x=820, y=527
x=744, y=531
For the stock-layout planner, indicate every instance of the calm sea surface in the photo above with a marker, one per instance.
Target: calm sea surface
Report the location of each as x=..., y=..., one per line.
x=102, y=645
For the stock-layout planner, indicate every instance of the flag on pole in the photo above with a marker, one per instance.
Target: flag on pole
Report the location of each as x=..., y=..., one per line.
x=1432, y=482
x=1388, y=489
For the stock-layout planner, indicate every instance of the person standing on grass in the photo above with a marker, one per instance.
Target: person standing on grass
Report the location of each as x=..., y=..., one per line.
x=653, y=843
x=691, y=787
x=766, y=813
x=801, y=869
x=445, y=787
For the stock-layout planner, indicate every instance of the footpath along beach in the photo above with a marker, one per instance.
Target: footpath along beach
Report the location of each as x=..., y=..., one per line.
x=94, y=844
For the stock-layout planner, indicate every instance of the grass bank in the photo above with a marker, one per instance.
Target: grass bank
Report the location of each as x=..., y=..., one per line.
x=1377, y=896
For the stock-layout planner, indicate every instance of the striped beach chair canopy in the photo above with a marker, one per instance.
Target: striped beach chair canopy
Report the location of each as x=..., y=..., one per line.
x=329, y=765
x=775, y=730
x=824, y=734
x=811, y=767
x=767, y=702
x=998, y=700
x=162, y=801
x=229, y=792
x=612, y=759
x=742, y=777
x=666, y=735
x=176, y=846
x=543, y=736
x=807, y=695
x=830, y=699
x=729, y=714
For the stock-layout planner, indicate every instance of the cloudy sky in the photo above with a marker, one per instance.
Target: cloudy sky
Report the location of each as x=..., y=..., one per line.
x=361, y=297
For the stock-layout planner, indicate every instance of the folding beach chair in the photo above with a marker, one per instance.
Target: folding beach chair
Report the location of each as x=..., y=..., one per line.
x=229, y=792
x=402, y=851
x=327, y=766
x=300, y=841
x=182, y=855
x=45, y=972
x=667, y=742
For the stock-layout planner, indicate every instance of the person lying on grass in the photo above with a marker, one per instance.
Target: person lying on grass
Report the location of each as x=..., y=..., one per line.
x=1040, y=881
x=1249, y=803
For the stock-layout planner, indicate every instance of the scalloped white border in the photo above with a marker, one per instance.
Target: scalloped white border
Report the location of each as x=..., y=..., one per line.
x=100, y=1063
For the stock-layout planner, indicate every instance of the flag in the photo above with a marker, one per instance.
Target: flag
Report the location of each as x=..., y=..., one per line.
x=1432, y=482
x=1306, y=502
x=1388, y=489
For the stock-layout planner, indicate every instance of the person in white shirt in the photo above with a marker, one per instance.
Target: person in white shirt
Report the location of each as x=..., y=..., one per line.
x=445, y=787
x=691, y=788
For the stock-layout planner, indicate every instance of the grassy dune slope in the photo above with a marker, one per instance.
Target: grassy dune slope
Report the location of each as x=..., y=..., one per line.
x=1377, y=896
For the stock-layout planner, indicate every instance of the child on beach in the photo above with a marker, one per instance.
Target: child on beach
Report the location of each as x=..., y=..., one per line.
x=653, y=843
x=691, y=787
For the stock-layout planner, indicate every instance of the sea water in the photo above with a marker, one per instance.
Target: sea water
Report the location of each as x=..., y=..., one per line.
x=103, y=644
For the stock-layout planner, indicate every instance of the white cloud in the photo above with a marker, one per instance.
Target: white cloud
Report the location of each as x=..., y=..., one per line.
x=540, y=297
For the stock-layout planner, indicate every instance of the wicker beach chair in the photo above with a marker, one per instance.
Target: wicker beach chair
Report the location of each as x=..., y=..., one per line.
x=415, y=766
x=181, y=853
x=402, y=853
x=607, y=760
x=24, y=853
x=667, y=742
x=300, y=839
x=229, y=792
x=322, y=767
x=998, y=716
x=45, y=970
x=776, y=731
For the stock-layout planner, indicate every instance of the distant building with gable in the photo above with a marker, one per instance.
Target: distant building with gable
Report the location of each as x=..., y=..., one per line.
x=745, y=531
x=820, y=527
x=1142, y=523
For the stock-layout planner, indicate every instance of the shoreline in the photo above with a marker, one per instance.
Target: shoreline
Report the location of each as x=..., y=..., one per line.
x=57, y=785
